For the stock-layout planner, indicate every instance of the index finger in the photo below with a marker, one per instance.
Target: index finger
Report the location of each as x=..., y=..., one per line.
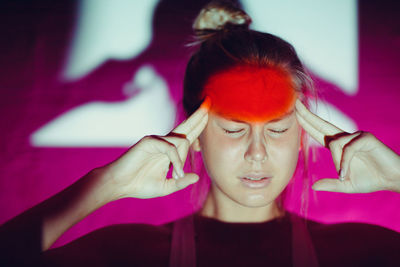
x=195, y=124
x=317, y=127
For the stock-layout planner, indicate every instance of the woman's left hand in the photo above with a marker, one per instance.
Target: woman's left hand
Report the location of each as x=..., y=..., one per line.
x=363, y=162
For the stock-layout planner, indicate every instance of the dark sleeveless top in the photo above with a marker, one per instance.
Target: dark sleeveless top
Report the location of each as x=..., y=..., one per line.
x=183, y=246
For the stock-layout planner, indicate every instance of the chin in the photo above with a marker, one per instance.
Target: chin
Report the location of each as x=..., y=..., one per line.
x=255, y=201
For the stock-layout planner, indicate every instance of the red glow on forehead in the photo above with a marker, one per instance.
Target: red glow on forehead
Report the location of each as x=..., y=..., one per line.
x=250, y=93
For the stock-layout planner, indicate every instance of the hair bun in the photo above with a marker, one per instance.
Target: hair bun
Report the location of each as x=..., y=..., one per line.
x=218, y=14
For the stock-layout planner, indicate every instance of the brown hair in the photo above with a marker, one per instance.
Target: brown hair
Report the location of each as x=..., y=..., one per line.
x=225, y=40
x=222, y=30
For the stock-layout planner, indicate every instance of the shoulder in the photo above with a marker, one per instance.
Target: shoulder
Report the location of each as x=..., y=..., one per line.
x=352, y=232
x=124, y=234
x=138, y=244
x=133, y=231
x=355, y=243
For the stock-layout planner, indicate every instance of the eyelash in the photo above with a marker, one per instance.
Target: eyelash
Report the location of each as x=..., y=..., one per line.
x=232, y=132
x=279, y=131
x=238, y=131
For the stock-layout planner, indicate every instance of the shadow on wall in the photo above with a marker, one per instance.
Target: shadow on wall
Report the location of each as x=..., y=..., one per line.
x=144, y=83
x=122, y=123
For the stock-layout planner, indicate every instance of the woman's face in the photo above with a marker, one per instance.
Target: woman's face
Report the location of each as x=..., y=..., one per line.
x=250, y=163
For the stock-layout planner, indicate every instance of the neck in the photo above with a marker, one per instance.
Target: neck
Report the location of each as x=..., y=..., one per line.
x=231, y=211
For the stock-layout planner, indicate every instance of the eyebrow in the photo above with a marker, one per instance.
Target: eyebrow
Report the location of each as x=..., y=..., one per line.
x=287, y=114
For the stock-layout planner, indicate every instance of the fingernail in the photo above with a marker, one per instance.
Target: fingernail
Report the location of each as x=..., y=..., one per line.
x=174, y=176
x=181, y=173
x=341, y=175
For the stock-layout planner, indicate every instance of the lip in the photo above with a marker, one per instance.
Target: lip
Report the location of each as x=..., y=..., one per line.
x=256, y=184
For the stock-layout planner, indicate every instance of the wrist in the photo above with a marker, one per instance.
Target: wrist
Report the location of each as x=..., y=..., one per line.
x=107, y=189
x=395, y=174
x=397, y=180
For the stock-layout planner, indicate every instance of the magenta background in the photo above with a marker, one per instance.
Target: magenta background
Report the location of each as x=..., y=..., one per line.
x=34, y=39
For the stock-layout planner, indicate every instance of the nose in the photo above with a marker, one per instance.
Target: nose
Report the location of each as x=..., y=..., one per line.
x=256, y=151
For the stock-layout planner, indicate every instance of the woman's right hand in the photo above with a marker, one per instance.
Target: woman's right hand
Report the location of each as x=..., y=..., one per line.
x=141, y=171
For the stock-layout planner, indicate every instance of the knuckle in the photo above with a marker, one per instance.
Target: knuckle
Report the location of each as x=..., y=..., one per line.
x=170, y=145
x=161, y=140
x=368, y=135
x=336, y=143
x=182, y=142
x=148, y=138
x=173, y=146
x=145, y=139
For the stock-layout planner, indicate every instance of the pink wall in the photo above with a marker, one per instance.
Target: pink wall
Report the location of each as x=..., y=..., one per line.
x=33, y=52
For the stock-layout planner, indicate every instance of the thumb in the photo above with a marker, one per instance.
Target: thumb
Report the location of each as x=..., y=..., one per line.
x=174, y=185
x=188, y=179
x=330, y=185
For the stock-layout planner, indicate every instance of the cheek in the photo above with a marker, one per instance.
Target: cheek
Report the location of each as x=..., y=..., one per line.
x=218, y=151
x=284, y=150
x=217, y=146
x=290, y=140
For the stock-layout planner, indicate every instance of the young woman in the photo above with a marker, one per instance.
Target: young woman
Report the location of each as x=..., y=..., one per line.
x=243, y=95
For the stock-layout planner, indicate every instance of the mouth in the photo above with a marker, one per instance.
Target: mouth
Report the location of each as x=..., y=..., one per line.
x=255, y=180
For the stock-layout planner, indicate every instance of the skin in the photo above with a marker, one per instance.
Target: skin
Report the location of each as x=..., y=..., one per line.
x=248, y=147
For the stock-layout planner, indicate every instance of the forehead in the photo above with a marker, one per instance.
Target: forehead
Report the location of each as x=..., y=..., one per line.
x=250, y=94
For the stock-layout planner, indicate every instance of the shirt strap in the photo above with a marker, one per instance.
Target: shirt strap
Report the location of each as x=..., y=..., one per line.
x=183, y=247
x=303, y=251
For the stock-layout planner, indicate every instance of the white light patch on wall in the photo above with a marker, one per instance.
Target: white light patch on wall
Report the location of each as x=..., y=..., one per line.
x=323, y=32
x=118, y=29
x=150, y=111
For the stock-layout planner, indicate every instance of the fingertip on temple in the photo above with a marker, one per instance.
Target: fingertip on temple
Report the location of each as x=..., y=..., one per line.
x=299, y=105
x=206, y=103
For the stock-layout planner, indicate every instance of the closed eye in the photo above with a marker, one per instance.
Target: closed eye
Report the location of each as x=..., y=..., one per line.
x=232, y=132
x=278, y=131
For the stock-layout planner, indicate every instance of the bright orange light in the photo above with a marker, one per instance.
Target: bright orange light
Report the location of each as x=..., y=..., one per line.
x=250, y=93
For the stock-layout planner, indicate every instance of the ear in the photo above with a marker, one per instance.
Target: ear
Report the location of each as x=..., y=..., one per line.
x=196, y=145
